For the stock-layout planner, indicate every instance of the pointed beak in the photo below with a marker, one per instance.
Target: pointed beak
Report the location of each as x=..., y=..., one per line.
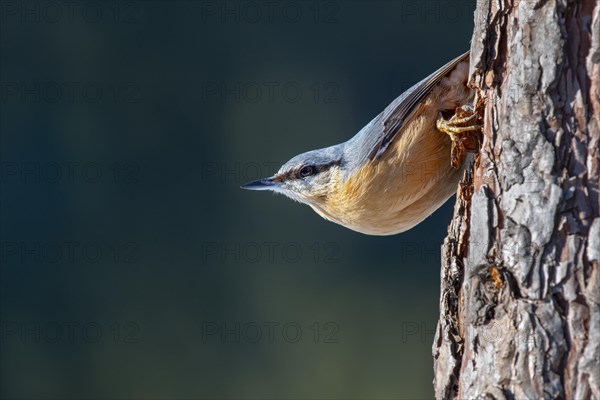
x=261, y=184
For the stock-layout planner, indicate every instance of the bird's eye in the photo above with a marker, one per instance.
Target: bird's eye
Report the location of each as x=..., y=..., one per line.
x=307, y=170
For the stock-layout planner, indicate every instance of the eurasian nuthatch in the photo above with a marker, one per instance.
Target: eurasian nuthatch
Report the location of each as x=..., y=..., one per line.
x=395, y=172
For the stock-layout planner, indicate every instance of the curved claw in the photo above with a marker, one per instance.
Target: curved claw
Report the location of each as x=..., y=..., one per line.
x=452, y=127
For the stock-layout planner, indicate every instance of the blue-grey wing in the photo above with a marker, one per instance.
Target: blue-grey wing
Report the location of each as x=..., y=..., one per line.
x=372, y=141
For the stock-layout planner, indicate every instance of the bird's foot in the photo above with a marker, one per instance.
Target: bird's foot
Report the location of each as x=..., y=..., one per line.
x=460, y=125
x=464, y=131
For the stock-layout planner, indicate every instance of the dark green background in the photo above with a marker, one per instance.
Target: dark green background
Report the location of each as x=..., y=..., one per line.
x=172, y=153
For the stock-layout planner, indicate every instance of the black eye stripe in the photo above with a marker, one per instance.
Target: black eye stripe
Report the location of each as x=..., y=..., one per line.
x=316, y=168
x=295, y=173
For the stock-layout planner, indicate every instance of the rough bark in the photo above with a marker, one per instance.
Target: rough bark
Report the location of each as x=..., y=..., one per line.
x=520, y=278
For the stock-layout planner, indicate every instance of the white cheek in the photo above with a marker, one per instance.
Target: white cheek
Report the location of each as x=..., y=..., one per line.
x=288, y=193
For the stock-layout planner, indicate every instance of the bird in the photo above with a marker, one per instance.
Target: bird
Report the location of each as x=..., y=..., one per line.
x=396, y=170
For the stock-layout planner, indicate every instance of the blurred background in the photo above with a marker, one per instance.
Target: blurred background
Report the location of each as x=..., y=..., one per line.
x=133, y=266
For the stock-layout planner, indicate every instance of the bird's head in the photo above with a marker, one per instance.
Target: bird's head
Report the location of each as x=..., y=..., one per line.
x=309, y=178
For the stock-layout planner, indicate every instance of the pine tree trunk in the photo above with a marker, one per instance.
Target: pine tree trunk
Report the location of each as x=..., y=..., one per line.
x=520, y=279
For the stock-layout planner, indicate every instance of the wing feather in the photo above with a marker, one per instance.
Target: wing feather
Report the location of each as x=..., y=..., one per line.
x=394, y=117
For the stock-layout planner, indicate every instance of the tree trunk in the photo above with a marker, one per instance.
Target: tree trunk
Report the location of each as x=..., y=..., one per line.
x=520, y=291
